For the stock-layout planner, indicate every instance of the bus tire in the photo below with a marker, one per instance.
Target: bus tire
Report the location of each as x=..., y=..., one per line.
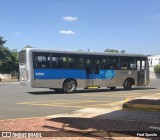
x=127, y=84
x=69, y=86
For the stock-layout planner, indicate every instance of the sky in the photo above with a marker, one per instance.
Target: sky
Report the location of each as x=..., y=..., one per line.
x=130, y=25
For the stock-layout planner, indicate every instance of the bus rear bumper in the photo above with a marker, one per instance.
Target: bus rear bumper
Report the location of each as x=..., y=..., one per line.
x=25, y=83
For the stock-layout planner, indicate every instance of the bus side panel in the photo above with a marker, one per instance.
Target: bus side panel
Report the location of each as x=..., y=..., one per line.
x=111, y=78
x=57, y=83
x=122, y=75
x=54, y=78
x=107, y=77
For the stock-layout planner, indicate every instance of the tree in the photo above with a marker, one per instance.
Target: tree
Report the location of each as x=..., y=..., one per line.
x=157, y=68
x=111, y=50
x=122, y=51
x=8, y=58
x=28, y=46
x=2, y=42
x=80, y=50
x=16, y=56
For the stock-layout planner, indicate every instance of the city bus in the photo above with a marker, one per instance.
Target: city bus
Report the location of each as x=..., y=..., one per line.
x=68, y=70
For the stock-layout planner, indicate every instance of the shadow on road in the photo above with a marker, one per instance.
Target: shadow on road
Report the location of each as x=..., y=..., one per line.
x=41, y=92
x=103, y=125
x=89, y=91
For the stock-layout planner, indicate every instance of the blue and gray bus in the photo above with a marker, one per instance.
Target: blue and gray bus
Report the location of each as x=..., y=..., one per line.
x=68, y=70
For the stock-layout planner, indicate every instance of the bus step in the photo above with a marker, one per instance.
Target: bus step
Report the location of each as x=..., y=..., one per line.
x=92, y=87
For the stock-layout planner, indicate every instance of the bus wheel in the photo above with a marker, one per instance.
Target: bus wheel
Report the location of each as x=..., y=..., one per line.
x=112, y=88
x=127, y=84
x=69, y=86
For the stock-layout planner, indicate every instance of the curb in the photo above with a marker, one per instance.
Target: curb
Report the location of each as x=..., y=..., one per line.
x=150, y=106
x=7, y=83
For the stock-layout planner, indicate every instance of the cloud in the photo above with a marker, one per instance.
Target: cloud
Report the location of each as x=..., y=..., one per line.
x=68, y=32
x=17, y=33
x=70, y=18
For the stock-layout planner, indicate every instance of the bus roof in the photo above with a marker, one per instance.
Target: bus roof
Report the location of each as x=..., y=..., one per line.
x=84, y=53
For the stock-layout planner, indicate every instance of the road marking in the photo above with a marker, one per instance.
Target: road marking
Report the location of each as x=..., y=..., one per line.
x=67, y=103
x=115, y=108
x=61, y=103
x=66, y=106
x=85, y=106
x=75, y=106
x=116, y=95
x=55, y=101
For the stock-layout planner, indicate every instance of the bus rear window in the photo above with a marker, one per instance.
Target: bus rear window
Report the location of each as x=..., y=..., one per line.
x=22, y=57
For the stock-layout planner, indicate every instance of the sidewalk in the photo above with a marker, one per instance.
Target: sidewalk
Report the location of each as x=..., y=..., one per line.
x=146, y=103
x=108, y=122
x=9, y=81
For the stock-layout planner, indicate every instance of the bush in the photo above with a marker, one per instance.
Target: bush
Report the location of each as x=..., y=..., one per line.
x=157, y=68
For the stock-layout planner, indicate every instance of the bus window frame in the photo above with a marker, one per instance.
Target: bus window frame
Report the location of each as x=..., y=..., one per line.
x=77, y=57
x=20, y=56
x=43, y=63
x=111, y=65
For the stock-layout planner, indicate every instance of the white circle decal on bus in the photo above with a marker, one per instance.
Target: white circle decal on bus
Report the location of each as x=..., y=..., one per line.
x=108, y=74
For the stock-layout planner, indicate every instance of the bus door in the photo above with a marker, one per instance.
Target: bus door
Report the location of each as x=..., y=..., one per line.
x=92, y=67
x=141, y=72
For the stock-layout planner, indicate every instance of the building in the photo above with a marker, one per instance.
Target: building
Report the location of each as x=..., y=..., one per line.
x=153, y=60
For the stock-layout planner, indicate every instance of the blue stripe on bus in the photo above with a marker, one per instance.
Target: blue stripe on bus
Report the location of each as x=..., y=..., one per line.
x=58, y=74
x=76, y=74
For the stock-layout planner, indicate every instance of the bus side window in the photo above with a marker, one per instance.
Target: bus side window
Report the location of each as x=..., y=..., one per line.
x=41, y=60
x=75, y=62
x=133, y=66
x=96, y=68
x=44, y=65
x=143, y=65
x=131, y=63
x=123, y=63
x=124, y=67
x=60, y=63
x=105, y=64
x=88, y=66
x=88, y=70
x=35, y=65
x=54, y=64
x=39, y=64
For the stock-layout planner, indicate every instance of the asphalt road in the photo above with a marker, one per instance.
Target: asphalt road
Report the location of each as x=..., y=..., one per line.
x=17, y=101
